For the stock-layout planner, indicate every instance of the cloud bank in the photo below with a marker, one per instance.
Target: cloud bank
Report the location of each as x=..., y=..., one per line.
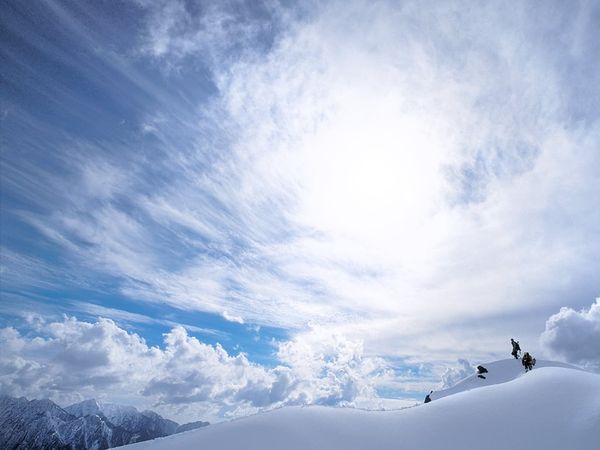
x=72, y=359
x=574, y=336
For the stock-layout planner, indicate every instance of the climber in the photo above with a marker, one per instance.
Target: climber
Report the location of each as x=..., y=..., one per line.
x=428, y=397
x=527, y=361
x=516, y=348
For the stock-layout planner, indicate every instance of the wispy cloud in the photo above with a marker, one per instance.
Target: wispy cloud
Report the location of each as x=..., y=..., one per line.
x=218, y=31
x=120, y=315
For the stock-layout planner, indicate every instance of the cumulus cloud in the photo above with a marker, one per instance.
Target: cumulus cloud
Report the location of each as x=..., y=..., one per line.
x=574, y=335
x=72, y=356
x=332, y=369
x=452, y=375
x=71, y=359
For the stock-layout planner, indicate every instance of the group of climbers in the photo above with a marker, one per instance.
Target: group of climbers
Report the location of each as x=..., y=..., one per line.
x=527, y=360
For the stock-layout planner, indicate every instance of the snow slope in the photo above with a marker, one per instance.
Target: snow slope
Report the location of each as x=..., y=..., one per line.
x=548, y=408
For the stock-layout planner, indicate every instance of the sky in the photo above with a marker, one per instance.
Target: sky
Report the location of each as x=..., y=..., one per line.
x=215, y=208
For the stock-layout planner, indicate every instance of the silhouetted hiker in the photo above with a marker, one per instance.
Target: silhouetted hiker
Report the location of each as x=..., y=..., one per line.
x=527, y=361
x=428, y=397
x=516, y=348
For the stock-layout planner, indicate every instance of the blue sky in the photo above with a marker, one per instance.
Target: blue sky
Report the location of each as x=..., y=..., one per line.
x=324, y=202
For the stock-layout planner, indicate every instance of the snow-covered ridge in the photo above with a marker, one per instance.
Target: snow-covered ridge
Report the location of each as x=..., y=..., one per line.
x=142, y=425
x=499, y=372
x=41, y=424
x=552, y=408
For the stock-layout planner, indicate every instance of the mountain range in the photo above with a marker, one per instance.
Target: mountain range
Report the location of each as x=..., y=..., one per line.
x=88, y=425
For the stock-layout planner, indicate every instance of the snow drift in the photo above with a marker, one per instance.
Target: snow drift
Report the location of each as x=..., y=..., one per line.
x=548, y=408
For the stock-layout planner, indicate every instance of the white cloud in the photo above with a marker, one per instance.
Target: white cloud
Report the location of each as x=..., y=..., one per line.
x=452, y=375
x=574, y=336
x=231, y=318
x=331, y=369
x=73, y=359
